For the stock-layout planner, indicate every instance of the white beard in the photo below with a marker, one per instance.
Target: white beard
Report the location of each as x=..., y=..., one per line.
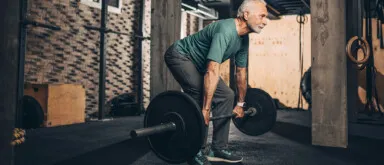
x=255, y=29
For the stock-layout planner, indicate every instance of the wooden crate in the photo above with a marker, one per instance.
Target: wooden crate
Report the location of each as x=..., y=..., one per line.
x=63, y=104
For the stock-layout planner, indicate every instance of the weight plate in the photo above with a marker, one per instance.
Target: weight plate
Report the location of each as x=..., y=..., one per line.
x=305, y=86
x=265, y=118
x=183, y=144
x=32, y=113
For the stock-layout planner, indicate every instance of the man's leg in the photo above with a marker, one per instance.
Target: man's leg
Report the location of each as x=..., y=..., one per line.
x=191, y=81
x=186, y=74
x=223, y=100
x=223, y=104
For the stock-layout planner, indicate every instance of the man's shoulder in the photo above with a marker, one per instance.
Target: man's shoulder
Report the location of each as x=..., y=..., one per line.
x=226, y=24
x=225, y=27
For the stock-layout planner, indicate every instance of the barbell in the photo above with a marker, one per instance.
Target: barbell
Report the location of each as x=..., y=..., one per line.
x=174, y=124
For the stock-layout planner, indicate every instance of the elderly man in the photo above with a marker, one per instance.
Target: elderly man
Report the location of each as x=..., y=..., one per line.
x=194, y=62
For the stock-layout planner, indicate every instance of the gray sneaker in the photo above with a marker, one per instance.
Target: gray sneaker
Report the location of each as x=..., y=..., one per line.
x=199, y=159
x=223, y=156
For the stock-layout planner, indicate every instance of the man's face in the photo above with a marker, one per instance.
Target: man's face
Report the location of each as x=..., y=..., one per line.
x=256, y=18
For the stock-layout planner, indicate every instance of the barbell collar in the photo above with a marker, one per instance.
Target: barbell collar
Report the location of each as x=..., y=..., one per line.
x=142, y=132
x=253, y=111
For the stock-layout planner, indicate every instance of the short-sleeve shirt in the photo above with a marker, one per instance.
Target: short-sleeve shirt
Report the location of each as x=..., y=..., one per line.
x=218, y=41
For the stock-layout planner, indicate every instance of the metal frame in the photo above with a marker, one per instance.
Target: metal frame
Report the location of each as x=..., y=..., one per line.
x=102, y=68
x=102, y=71
x=98, y=5
x=290, y=7
x=200, y=11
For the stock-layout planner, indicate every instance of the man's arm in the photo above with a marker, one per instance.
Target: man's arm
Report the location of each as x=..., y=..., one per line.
x=241, y=59
x=241, y=81
x=211, y=78
x=214, y=58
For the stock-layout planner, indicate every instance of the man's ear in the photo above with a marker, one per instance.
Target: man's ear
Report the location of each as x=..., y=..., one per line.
x=246, y=14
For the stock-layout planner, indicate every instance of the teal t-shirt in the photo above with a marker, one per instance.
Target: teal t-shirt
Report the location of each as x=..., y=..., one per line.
x=218, y=42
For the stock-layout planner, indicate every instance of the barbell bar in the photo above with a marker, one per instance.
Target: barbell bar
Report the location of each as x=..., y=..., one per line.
x=172, y=126
x=153, y=130
x=250, y=111
x=175, y=129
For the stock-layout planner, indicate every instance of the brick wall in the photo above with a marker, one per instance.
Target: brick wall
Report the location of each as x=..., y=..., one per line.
x=72, y=54
x=189, y=24
x=193, y=24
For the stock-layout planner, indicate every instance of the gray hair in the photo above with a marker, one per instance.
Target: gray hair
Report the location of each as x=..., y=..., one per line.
x=245, y=6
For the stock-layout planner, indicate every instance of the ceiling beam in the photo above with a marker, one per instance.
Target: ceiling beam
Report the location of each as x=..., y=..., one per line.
x=306, y=4
x=275, y=12
x=287, y=2
x=292, y=5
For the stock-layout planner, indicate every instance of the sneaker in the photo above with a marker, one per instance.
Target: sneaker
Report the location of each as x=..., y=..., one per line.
x=199, y=159
x=223, y=156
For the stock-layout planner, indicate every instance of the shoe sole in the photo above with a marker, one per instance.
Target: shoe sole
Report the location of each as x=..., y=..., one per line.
x=215, y=159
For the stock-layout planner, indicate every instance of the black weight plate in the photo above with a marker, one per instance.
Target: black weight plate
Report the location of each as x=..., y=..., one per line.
x=305, y=86
x=175, y=146
x=265, y=118
x=32, y=113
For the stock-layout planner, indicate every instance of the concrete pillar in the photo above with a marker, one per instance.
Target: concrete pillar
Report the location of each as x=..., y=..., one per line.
x=329, y=73
x=8, y=76
x=165, y=29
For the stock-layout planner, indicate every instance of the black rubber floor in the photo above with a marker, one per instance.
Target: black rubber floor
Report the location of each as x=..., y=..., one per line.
x=105, y=143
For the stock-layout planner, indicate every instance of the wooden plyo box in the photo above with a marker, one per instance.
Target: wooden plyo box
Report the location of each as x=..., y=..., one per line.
x=63, y=104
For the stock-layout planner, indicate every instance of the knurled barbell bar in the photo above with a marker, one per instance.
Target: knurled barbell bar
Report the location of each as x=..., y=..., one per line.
x=171, y=126
x=174, y=125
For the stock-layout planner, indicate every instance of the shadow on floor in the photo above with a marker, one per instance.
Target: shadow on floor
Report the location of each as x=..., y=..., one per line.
x=122, y=153
x=360, y=150
x=279, y=106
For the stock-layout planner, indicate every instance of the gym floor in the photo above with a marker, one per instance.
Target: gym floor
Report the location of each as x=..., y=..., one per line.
x=289, y=143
